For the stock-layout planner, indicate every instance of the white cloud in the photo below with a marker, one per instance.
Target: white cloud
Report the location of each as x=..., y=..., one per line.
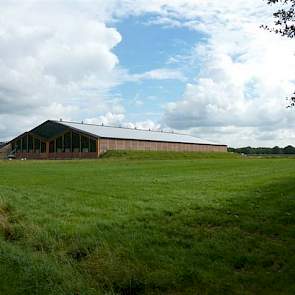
x=246, y=72
x=246, y=136
x=109, y=119
x=145, y=125
x=156, y=74
x=163, y=74
x=56, y=60
x=119, y=120
x=245, y=77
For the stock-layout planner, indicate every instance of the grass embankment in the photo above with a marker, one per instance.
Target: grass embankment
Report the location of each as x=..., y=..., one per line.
x=210, y=226
x=162, y=155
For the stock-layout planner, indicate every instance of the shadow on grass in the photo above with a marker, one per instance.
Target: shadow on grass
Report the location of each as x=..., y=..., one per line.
x=236, y=246
x=239, y=246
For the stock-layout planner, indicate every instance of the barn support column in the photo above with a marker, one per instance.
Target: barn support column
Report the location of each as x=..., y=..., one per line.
x=63, y=143
x=47, y=148
x=27, y=143
x=97, y=147
x=71, y=142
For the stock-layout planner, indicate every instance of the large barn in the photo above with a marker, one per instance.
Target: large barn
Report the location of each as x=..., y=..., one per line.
x=71, y=140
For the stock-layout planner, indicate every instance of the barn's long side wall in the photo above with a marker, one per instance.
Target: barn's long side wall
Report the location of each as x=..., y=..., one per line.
x=106, y=144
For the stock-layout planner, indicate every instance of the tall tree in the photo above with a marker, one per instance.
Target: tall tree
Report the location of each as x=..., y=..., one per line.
x=284, y=21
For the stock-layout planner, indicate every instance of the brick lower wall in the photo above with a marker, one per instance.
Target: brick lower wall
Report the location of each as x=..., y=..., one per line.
x=106, y=144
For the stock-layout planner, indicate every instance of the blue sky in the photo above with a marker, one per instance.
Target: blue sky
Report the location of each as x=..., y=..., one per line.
x=194, y=66
x=145, y=47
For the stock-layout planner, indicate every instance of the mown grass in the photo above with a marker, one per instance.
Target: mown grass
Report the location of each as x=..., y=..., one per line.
x=121, y=226
x=163, y=155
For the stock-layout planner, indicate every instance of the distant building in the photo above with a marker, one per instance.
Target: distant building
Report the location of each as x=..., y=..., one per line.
x=70, y=140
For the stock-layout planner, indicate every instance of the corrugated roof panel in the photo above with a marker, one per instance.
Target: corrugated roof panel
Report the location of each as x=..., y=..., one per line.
x=127, y=133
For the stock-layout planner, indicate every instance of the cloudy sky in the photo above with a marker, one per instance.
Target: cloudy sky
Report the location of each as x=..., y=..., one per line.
x=199, y=66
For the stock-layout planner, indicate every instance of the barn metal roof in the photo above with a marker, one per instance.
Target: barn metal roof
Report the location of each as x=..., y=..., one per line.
x=138, y=134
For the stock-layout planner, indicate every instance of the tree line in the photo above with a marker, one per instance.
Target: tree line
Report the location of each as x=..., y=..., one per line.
x=288, y=150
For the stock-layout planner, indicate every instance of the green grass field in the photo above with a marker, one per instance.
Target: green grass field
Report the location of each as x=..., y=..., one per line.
x=148, y=223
